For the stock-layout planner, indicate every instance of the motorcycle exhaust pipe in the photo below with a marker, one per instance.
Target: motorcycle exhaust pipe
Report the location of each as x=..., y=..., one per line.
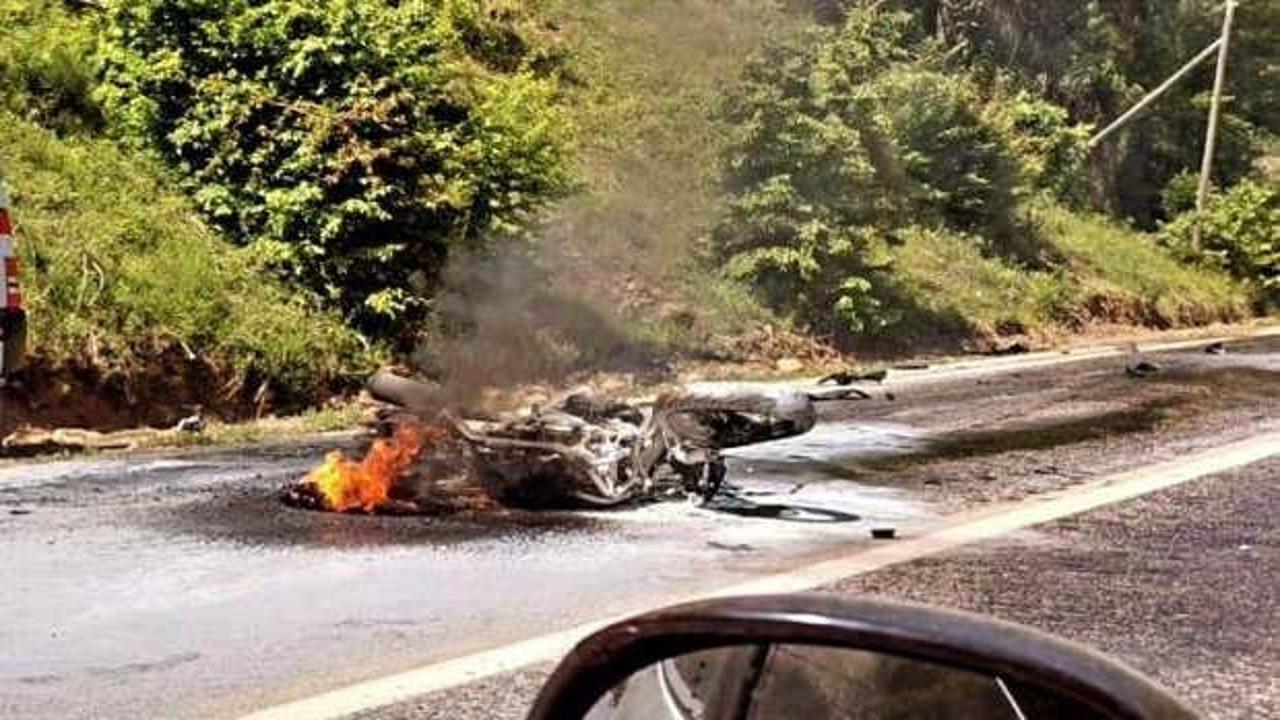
x=416, y=397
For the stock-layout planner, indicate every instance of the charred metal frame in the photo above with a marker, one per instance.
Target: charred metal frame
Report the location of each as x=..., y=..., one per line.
x=600, y=453
x=584, y=450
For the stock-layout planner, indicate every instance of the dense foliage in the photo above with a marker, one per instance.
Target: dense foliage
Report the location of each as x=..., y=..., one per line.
x=847, y=138
x=350, y=143
x=1239, y=231
x=1097, y=58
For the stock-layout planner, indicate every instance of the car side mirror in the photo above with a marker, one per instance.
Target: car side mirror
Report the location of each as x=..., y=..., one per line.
x=817, y=657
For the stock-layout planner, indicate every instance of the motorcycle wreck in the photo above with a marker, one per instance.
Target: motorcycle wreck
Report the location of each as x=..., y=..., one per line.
x=585, y=451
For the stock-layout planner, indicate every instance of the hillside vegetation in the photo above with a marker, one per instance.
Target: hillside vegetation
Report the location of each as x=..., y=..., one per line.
x=133, y=300
x=861, y=150
x=732, y=184
x=120, y=271
x=269, y=198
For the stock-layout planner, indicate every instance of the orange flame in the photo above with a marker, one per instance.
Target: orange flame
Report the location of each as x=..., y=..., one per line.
x=347, y=485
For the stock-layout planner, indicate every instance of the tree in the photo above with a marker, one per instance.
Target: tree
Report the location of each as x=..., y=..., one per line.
x=1096, y=58
x=856, y=134
x=353, y=144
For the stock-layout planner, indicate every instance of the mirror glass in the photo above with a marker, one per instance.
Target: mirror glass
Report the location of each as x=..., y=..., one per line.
x=754, y=682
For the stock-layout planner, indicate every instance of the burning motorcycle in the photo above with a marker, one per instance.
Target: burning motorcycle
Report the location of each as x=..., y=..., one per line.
x=582, y=450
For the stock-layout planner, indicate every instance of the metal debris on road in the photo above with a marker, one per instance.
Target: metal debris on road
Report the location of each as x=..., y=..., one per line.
x=191, y=424
x=1015, y=348
x=849, y=377
x=1142, y=369
x=583, y=450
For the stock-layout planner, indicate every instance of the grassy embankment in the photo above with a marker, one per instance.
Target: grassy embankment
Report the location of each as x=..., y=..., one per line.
x=137, y=310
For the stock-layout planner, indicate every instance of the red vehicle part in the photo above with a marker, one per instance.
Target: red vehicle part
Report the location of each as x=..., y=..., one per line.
x=13, y=319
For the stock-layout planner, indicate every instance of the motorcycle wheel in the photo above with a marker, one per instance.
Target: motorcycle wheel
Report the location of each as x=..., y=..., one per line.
x=703, y=480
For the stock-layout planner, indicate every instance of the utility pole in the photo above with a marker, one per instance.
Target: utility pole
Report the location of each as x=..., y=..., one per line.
x=1154, y=95
x=1215, y=111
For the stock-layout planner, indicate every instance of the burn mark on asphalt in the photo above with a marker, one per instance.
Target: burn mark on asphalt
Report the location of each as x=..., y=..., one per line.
x=789, y=512
x=733, y=548
x=255, y=516
x=40, y=679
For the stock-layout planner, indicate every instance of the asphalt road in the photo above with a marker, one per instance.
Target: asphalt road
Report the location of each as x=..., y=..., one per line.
x=180, y=587
x=1180, y=585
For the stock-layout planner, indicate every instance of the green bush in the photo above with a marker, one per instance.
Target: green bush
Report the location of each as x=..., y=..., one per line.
x=1179, y=195
x=351, y=143
x=1051, y=150
x=801, y=184
x=119, y=270
x=843, y=140
x=962, y=168
x=1239, y=232
x=1099, y=58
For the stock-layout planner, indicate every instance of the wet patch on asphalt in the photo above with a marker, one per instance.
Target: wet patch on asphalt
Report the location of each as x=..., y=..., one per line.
x=1045, y=431
x=1036, y=436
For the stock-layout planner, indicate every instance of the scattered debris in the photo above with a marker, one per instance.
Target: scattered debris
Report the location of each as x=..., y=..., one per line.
x=1216, y=348
x=1142, y=369
x=1015, y=348
x=738, y=548
x=191, y=424
x=884, y=533
x=584, y=450
x=849, y=377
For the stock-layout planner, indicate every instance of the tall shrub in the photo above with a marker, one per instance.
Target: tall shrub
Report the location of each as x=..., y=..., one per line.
x=352, y=143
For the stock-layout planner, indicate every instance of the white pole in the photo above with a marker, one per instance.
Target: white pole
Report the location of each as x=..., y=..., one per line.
x=1215, y=111
x=1155, y=94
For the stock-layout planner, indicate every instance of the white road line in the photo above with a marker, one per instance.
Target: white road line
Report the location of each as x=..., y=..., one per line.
x=962, y=369
x=955, y=532
x=971, y=368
